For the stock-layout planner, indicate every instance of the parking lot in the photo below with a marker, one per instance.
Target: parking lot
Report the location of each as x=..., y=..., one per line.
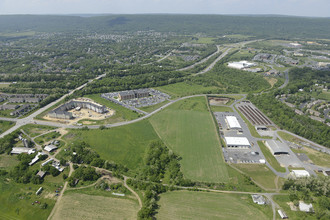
x=238, y=155
x=155, y=97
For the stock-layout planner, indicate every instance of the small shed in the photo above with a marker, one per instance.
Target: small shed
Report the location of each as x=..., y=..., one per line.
x=41, y=174
x=282, y=214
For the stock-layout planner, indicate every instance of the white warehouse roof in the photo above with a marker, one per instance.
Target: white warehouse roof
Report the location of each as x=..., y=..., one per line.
x=237, y=141
x=241, y=64
x=300, y=173
x=233, y=122
x=50, y=148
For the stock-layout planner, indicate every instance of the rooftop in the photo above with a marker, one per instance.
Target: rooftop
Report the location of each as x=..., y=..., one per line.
x=237, y=141
x=233, y=122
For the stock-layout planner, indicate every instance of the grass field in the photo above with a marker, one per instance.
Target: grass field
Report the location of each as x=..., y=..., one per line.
x=185, y=89
x=124, y=145
x=16, y=201
x=34, y=130
x=270, y=158
x=221, y=109
x=206, y=205
x=81, y=206
x=4, y=85
x=318, y=158
x=8, y=161
x=5, y=125
x=153, y=107
x=261, y=174
x=187, y=128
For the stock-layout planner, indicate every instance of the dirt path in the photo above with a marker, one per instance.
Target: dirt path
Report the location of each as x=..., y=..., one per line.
x=58, y=201
x=132, y=191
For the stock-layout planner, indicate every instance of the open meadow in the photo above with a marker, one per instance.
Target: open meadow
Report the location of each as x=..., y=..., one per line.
x=123, y=145
x=262, y=175
x=82, y=207
x=206, y=205
x=5, y=125
x=188, y=129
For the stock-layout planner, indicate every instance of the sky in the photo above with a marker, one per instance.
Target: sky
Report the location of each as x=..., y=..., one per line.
x=316, y=8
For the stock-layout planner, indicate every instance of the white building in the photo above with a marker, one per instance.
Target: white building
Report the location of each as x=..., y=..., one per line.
x=20, y=150
x=233, y=122
x=259, y=199
x=300, y=173
x=305, y=207
x=237, y=142
x=50, y=148
x=241, y=65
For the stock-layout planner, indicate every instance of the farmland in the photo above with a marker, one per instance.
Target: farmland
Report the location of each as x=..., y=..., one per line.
x=187, y=128
x=124, y=145
x=188, y=205
x=82, y=206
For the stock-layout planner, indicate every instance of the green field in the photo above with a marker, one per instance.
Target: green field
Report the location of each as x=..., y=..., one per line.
x=16, y=200
x=153, y=107
x=124, y=145
x=270, y=158
x=5, y=125
x=185, y=89
x=188, y=129
x=82, y=207
x=261, y=174
x=204, y=40
x=34, y=130
x=221, y=109
x=206, y=205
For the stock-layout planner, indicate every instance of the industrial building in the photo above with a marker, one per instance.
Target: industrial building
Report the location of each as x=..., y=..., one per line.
x=233, y=122
x=237, y=142
x=61, y=112
x=50, y=148
x=241, y=65
x=133, y=94
x=276, y=147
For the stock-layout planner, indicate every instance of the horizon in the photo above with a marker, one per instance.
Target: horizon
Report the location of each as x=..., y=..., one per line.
x=300, y=8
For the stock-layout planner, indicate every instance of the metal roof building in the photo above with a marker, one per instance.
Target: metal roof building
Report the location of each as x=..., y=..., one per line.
x=50, y=148
x=300, y=173
x=277, y=147
x=20, y=150
x=233, y=122
x=239, y=142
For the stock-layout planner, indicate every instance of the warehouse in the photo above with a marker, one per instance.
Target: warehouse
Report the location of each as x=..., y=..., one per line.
x=241, y=65
x=233, y=122
x=277, y=147
x=237, y=142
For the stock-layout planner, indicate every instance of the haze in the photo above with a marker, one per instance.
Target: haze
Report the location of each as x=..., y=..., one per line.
x=319, y=8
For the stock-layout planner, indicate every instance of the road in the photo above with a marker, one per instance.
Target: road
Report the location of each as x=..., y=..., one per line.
x=286, y=72
x=202, y=61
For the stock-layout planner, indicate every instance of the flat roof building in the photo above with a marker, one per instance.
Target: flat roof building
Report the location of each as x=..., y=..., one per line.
x=237, y=142
x=20, y=150
x=259, y=199
x=277, y=147
x=233, y=122
x=241, y=64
